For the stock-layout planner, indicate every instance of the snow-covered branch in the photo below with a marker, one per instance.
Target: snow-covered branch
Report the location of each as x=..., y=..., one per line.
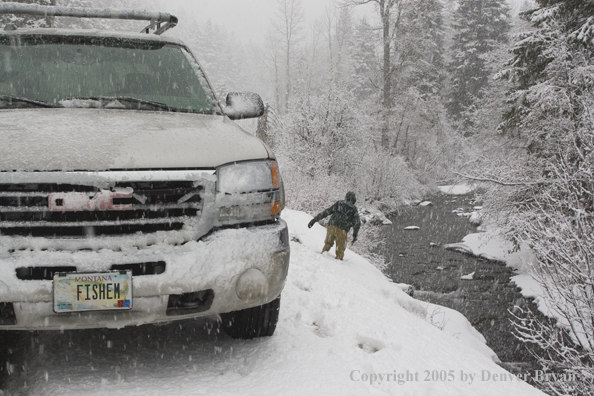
x=501, y=182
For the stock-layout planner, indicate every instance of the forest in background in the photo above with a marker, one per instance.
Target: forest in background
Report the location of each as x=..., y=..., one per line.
x=386, y=106
x=427, y=92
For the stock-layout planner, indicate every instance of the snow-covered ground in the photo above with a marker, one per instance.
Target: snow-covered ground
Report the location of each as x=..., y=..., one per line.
x=457, y=189
x=344, y=329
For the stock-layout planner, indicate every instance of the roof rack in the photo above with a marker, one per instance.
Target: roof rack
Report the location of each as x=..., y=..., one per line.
x=156, y=18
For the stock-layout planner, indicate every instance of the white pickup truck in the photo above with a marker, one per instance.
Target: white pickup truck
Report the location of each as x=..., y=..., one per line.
x=127, y=193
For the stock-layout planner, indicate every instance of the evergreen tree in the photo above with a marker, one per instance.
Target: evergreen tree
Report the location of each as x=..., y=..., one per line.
x=365, y=76
x=553, y=199
x=480, y=25
x=419, y=47
x=386, y=9
x=561, y=24
x=209, y=44
x=420, y=127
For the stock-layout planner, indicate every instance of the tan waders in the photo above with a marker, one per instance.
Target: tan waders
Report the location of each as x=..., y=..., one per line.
x=335, y=234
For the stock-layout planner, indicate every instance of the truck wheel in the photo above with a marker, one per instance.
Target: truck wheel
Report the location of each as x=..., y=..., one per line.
x=253, y=322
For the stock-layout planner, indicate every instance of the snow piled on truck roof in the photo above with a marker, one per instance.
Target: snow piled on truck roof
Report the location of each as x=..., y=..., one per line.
x=93, y=33
x=343, y=328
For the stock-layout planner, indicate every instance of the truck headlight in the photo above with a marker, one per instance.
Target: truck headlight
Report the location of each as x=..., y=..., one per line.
x=249, y=191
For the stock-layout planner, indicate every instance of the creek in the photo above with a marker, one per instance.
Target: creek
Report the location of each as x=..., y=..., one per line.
x=417, y=258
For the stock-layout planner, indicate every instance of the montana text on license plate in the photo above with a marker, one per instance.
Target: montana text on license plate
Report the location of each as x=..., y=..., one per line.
x=75, y=292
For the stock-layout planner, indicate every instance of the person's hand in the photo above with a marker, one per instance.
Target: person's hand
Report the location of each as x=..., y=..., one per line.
x=311, y=223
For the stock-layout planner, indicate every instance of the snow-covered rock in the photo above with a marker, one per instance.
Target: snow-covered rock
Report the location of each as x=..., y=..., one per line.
x=476, y=218
x=458, y=247
x=373, y=216
x=408, y=289
x=468, y=277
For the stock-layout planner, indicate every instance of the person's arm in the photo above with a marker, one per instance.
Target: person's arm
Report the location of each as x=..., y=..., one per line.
x=322, y=215
x=356, y=227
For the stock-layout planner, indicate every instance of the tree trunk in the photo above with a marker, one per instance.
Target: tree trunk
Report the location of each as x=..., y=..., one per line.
x=385, y=6
x=288, y=72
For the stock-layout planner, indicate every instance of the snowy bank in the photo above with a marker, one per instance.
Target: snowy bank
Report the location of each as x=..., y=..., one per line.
x=344, y=329
x=457, y=189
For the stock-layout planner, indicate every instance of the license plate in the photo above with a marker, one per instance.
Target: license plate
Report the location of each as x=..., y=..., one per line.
x=76, y=292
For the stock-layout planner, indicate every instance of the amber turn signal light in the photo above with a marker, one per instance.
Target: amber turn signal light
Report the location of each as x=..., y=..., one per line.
x=276, y=208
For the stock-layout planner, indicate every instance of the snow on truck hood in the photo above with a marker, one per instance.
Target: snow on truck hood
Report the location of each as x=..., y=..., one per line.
x=101, y=139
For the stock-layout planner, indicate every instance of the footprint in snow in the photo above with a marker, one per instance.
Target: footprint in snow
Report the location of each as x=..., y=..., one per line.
x=315, y=328
x=301, y=286
x=370, y=345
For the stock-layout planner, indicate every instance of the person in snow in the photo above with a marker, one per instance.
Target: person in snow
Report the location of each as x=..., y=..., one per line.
x=344, y=216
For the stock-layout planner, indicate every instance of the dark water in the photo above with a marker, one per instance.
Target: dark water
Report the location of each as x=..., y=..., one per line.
x=418, y=258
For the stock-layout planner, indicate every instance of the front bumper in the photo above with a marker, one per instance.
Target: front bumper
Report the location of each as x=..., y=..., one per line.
x=240, y=268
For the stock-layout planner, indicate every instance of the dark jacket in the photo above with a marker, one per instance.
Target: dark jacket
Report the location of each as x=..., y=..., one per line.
x=344, y=215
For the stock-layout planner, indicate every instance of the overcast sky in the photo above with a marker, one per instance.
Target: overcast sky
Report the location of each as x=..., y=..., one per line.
x=250, y=19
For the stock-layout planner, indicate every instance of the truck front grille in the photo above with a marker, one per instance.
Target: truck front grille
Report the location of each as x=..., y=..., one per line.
x=146, y=207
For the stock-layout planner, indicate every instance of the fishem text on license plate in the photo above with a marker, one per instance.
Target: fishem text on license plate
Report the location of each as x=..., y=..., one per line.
x=75, y=292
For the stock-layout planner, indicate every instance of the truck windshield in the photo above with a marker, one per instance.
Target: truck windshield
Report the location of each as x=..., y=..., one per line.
x=101, y=72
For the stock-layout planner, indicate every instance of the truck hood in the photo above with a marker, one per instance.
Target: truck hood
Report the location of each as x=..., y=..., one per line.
x=103, y=139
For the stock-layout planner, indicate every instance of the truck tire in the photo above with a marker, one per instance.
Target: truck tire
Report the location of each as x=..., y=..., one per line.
x=253, y=322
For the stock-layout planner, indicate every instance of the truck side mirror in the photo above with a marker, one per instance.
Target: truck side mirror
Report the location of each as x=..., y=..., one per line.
x=240, y=105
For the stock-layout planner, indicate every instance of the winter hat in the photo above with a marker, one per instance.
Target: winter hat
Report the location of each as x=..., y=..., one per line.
x=350, y=197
